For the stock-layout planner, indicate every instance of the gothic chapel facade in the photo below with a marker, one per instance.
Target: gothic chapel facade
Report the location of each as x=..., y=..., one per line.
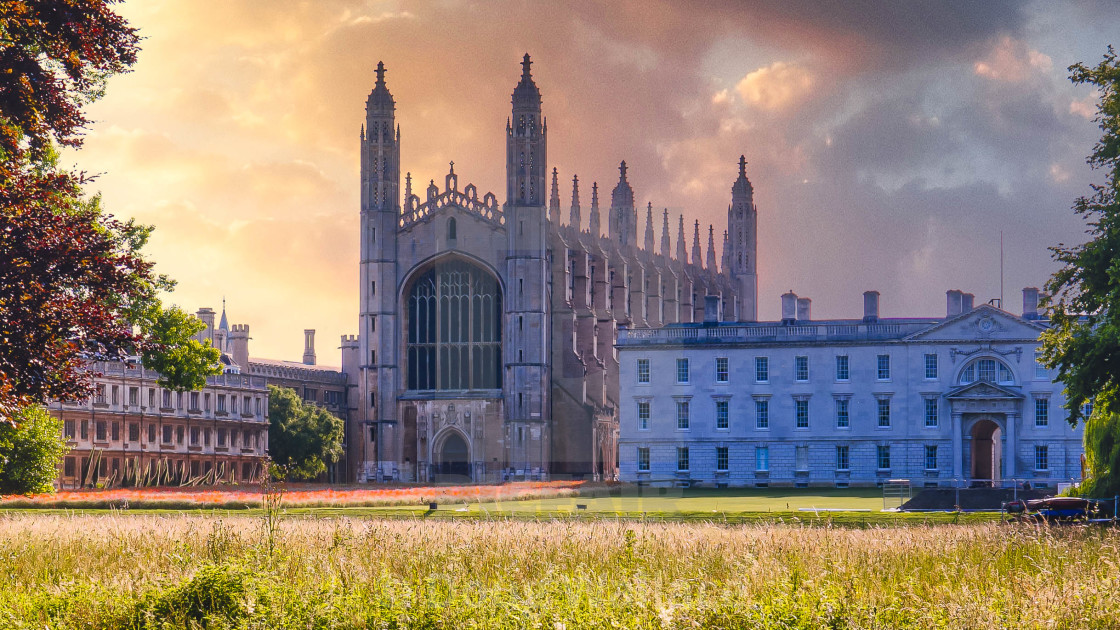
x=486, y=343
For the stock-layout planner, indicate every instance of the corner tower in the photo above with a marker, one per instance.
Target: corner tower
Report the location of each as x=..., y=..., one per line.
x=742, y=224
x=526, y=347
x=380, y=198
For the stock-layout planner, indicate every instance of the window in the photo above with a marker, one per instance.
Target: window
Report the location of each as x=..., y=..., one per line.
x=682, y=458
x=451, y=231
x=931, y=366
x=99, y=431
x=643, y=414
x=801, y=458
x=883, y=457
x=206, y=401
x=721, y=414
x=843, y=421
x=801, y=368
x=883, y=367
x=206, y=437
x=682, y=414
x=221, y=403
x=151, y=397
x=1040, y=371
x=931, y=412
x=682, y=370
x=167, y=434
x=133, y=396
x=643, y=458
x=842, y=372
x=180, y=433
x=134, y=432
x=68, y=429
x=99, y=395
x=801, y=409
x=762, y=413
x=721, y=458
x=762, y=369
x=842, y=460
x=1041, y=412
x=195, y=433
x=454, y=338
x=931, y=457
x=68, y=467
x=151, y=433
x=883, y=407
x=83, y=427
x=116, y=395
x=194, y=401
x=233, y=404
x=762, y=458
x=166, y=399
x=116, y=430
x=222, y=437
x=989, y=370
x=721, y=369
x=1041, y=457
x=643, y=370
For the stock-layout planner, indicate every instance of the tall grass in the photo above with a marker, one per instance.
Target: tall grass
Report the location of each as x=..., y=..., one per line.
x=120, y=571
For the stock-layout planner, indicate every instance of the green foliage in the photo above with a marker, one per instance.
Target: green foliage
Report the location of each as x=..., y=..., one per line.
x=182, y=362
x=1083, y=341
x=30, y=450
x=1102, y=456
x=302, y=438
x=213, y=597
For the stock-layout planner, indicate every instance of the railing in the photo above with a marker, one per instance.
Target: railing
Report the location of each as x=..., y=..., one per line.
x=687, y=333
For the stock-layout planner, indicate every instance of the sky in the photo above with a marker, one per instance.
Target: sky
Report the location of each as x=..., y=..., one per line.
x=888, y=143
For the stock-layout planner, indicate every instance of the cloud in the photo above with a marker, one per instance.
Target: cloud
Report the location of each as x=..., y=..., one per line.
x=237, y=134
x=777, y=86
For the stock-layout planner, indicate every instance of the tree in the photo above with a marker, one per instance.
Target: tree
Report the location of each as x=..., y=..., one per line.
x=74, y=285
x=30, y=452
x=1083, y=341
x=302, y=438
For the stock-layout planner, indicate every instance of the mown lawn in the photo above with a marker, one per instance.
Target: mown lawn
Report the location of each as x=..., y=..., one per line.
x=176, y=571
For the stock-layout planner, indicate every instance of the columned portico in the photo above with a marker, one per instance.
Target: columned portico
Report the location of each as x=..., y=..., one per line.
x=988, y=413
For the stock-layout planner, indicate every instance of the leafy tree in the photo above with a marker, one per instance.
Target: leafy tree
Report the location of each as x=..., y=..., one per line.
x=302, y=438
x=1083, y=342
x=30, y=452
x=74, y=285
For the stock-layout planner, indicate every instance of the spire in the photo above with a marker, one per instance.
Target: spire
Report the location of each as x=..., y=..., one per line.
x=362, y=133
x=573, y=218
x=624, y=216
x=711, y=261
x=526, y=93
x=742, y=190
x=593, y=220
x=224, y=323
x=380, y=100
x=665, y=245
x=649, y=228
x=725, y=264
x=697, y=256
x=682, y=253
x=554, y=199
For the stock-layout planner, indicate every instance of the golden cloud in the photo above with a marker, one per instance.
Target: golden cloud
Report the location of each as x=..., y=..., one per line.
x=777, y=86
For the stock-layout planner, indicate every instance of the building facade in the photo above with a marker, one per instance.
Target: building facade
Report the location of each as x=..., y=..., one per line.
x=133, y=432
x=486, y=327
x=960, y=399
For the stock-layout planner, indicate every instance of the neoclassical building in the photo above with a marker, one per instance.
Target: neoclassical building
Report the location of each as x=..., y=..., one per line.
x=485, y=347
x=954, y=400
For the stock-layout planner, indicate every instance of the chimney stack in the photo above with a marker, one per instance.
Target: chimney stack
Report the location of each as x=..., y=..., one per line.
x=803, y=306
x=870, y=306
x=789, y=307
x=207, y=317
x=953, y=302
x=711, y=309
x=967, y=302
x=309, y=346
x=239, y=346
x=1030, y=303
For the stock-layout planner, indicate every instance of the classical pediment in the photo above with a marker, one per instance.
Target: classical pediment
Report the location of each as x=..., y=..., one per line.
x=981, y=324
x=983, y=390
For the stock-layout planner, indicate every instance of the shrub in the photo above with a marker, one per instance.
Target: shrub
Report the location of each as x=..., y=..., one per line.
x=216, y=593
x=30, y=450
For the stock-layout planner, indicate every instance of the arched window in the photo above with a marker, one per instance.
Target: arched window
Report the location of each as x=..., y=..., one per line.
x=454, y=328
x=451, y=229
x=991, y=370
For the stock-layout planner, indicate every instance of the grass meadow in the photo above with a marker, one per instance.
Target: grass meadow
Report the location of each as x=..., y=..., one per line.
x=60, y=570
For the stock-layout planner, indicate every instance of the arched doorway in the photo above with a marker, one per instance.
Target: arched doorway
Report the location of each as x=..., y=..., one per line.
x=453, y=463
x=986, y=447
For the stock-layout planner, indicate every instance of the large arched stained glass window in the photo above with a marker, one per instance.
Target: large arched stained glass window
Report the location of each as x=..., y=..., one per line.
x=454, y=328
